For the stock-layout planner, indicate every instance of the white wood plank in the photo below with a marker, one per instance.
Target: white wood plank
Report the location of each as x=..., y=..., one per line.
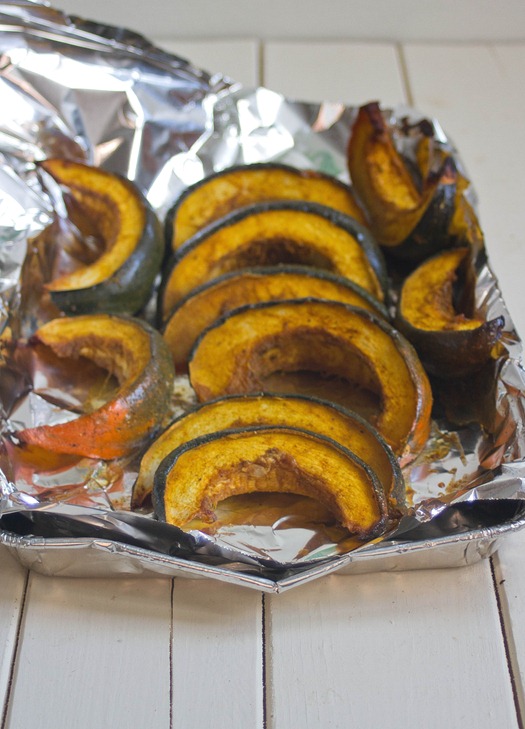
x=483, y=111
x=13, y=579
x=416, y=649
x=238, y=59
x=338, y=71
x=474, y=92
x=93, y=653
x=217, y=656
x=299, y=19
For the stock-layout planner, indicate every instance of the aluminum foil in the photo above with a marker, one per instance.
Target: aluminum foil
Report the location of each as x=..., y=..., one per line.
x=74, y=88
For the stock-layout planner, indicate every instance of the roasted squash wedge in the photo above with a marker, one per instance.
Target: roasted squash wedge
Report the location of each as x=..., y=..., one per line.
x=450, y=339
x=465, y=229
x=277, y=233
x=411, y=217
x=336, y=351
x=203, y=305
x=136, y=355
x=233, y=188
x=121, y=279
x=319, y=416
x=193, y=478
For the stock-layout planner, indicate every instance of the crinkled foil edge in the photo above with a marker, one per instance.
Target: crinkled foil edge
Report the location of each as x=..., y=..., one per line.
x=217, y=123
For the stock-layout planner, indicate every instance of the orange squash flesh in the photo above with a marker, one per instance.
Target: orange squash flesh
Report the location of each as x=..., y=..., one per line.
x=136, y=355
x=203, y=305
x=272, y=236
x=114, y=205
x=464, y=225
x=451, y=343
x=236, y=187
x=325, y=418
x=117, y=275
x=329, y=339
x=394, y=204
x=192, y=479
x=426, y=295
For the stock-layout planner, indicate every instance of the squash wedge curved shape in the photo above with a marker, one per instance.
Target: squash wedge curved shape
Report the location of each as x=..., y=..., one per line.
x=196, y=311
x=193, y=478
x=411, y=220
x=358, y=353
x=319, y=416
x=451, y=340
x=136, y=355
x=277, y=233
x=120, y=281
x=219, y=194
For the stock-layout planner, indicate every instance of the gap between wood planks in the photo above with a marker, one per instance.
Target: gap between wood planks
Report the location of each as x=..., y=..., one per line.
x=172, y=590
x=264, y=649
x=14, y=659
x=403, y=70
x=508, y=639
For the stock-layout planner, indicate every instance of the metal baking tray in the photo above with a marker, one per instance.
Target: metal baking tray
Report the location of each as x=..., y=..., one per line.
x=109, y=96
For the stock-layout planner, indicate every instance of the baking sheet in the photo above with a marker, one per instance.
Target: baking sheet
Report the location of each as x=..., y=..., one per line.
x=107, y=96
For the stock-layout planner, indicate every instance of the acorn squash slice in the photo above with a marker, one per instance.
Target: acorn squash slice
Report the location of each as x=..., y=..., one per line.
x=465, y=229
x=319, y=416
x=327, y=348
x=235, y=187
x=135, y=354
x=277, y=233
x=194, y=477
x=451, y=339
x=120, y=280
x=411, y=217
x=196, y=311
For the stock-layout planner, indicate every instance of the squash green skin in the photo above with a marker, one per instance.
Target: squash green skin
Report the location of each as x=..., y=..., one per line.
x=291, y=410
x=170, y=461
x=412, y=225
x=431, y=233
x=441, y=323
x=136, y=354
x=450, y=354
x=342, y=190
x=130, y=287
x=358, y=232
x=221, y=292
x=406, y=433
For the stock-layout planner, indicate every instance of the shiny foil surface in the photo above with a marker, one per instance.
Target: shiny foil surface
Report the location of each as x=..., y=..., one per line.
x=106, y=96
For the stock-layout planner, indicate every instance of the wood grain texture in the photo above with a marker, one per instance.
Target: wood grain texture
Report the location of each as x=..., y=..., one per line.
x=483, y=114
x=510, y=581
x=217, y=655
x=352, y=73
x=300, y=19
x=397, y=650
x=237, y=59
x=93, y=653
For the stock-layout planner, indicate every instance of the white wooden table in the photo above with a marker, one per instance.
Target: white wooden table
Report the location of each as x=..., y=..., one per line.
x=403, y=650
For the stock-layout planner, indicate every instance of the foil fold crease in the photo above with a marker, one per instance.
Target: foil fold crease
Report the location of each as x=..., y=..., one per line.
x=72, y=87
